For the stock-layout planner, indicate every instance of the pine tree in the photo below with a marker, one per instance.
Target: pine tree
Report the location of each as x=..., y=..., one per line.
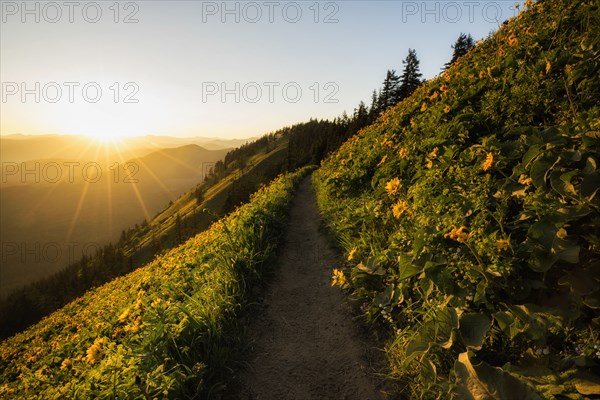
x=463, y=45
x=391, y=84
x=411, y=76
x=374, y=110
x=360, y=118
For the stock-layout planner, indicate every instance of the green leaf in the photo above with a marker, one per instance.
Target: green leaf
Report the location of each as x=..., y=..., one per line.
x=407, y=268
x=551, y=134
x=436, y=331
x=473, y=329
x=591, y=139
x=539, y=170
x=531, y=154
x=586, y=383
x=592, y=301
x=484, y=382
x=384, y=298
x=371, y=267
x=581, y=282
x=560, y=186
x=543, y=232
x=590, y=186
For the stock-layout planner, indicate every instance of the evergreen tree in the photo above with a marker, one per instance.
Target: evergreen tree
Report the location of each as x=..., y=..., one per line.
x=463, y=45
x=411, y=76
x=374, y=110
x=360, y=118
x=389, y=92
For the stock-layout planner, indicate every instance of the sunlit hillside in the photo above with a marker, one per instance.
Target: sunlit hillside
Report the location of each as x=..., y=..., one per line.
x=469, y=216
x=165, y=330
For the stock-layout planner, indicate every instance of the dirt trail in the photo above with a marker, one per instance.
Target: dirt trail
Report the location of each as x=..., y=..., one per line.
x=304, y=344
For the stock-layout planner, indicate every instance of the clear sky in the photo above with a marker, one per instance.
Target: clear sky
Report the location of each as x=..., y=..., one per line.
x=204, y=68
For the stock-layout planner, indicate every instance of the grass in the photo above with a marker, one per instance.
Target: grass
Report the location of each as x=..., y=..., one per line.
x=166, y=330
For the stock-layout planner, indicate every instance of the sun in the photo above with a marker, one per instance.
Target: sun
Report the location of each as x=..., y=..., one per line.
x=106, y=138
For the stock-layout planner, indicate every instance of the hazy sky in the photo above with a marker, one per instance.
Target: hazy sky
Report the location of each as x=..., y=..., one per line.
x=203, y=68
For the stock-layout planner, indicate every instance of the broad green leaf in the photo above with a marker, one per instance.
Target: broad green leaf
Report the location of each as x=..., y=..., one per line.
x=473, y=329
x=590, y=166
x=592, y=301
x=559, y=185
x=531, y=154
x=591, y=139
x=436, y=331
x=580, y=282
x=543, y=232
x=586, y=383
x=407, y=268
x=384, y=298
x=371, y=267
x=551, y=134
x=539, y=170
x=590, y=185
x=484, y=382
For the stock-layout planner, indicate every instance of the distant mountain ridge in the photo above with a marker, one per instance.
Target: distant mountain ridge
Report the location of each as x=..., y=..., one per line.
x=20, y=147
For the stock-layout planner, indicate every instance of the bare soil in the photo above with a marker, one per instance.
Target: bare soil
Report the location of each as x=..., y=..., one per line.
x=304, y=344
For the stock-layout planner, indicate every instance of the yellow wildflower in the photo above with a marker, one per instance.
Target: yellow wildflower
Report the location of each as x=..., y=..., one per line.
x=527, y=3
x=525, y=180
x=339, y=279
x=447, y=109
x=482, y=74
x=489, y=161
x=135, y=327
x=458, y=234
x=399, y=208
x=155, y=302
x=433, y=153
x=548, y=67
x=382, y=160
x=402, y=152
x=412, y=123
x=66, y=364
x=568, y=69
x=503, y=244
x=94, y=353
x=423, y=107
x=444, y=88
x=392, y=186
x=352, y=254
x=433, y=96
x=512, y=40
x=124, y=315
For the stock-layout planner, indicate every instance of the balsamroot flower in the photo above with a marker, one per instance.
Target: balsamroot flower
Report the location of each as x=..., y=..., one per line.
x=392, y=186
x=458, y=234
x=489, y=161
x=399, y=208
x=339, y=279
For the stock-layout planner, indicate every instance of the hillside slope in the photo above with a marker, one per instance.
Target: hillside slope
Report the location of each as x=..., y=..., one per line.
x=469, y=215
x=84, y=214
x=166, y=330
x=188, y=215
